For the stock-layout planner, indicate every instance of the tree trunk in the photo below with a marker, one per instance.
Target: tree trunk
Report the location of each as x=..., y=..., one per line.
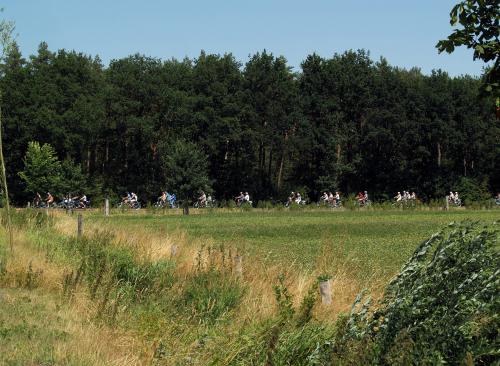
x=269, y=163
x=338, y=153
x=280, y=172
x=439, y=154
x=96, y=150
x=227, y=150
x=126, y=154
x=88, y=159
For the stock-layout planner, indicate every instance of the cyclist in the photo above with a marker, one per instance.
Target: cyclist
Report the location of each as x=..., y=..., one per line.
x=361, y=198
x=298, y=198
x=202, y=199
x=126, y=199
x=133, y=200
x=38, y=200
x=162, y=200
x=337, y=199
x=330, y=198
x=324, y=197
x=172, y=199
x=49, y=200
x=246, y=198
x=83, y=202
x=398, y=197
x=239, y=199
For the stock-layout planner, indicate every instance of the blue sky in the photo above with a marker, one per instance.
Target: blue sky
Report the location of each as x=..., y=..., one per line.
x=405, y=32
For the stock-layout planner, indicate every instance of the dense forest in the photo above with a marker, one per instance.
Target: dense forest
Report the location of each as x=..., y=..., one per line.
x=343, y=123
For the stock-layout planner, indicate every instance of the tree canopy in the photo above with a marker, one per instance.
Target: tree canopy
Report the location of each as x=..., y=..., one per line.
x=343, y=123
x=477, y=25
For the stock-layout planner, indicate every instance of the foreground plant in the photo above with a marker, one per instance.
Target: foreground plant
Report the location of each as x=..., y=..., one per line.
x=442, y=308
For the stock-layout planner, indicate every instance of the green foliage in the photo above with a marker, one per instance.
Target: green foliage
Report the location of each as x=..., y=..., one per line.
x=479, y=24
x=210, y=295
x=73, y=180
x=42, y=168
x=304, y=314
x=470, y=190
x=185, y=168
x=263, y=128
x=290, y=338
x=43, y=172
x=442, y=307
x=283, y=299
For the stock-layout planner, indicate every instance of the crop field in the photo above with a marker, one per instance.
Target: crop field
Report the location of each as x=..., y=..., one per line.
x=378, y=242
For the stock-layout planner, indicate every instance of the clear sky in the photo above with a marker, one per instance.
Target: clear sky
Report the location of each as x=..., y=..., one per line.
x=403, y=31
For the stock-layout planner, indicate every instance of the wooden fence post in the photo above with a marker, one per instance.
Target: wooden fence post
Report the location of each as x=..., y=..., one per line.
x=106, y=207
x=173, y=250
x=238, y=265
x=447, y=203
x=326, y=292
x=80, y=225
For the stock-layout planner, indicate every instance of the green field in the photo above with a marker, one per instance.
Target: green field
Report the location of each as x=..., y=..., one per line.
x=97, y=300
x=378, y=242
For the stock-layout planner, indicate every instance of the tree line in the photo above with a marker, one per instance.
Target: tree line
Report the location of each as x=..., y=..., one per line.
x=345, y=123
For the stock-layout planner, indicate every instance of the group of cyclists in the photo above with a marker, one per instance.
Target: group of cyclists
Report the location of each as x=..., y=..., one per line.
x=295, y=198
x=242, y=198
x=204, y=200
x=130, y=200
x=166, y=200
x=331, y=200
x=454, y=199
x=363, y=199
x=169, y=200
x=68, y=202
x=406, y=197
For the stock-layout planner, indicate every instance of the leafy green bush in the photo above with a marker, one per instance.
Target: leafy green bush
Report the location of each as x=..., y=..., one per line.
x=442, y=308
x=471, y=190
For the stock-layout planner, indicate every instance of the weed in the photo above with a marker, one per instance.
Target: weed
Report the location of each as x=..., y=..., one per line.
x=211, y=294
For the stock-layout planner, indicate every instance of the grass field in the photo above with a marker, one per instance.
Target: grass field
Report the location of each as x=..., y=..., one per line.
x=378, y=242
x=118, y=296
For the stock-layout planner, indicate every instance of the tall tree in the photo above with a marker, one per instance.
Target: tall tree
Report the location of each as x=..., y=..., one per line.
x=185, y=168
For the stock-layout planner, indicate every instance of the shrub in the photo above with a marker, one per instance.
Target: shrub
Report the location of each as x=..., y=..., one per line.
x=470, y=190
x=443, y=307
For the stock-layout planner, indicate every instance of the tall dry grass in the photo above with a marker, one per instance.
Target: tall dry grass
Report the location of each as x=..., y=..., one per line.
x=258, y=275
x=90, y=341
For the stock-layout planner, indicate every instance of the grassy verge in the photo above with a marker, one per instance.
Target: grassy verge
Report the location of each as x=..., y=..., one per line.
x=128, y=297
